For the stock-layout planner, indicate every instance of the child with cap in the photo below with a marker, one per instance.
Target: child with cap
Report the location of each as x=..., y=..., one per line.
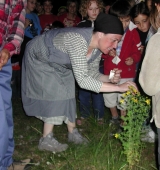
x=124, y=57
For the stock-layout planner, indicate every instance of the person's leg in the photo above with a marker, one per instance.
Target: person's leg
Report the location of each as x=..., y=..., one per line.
x=110, y=100
x=47, y=128
x=74, y=136
x=98, y=105
x=71, y=126
x=6, y=119
x=84, y=102
x=48, y=142
x=120, y=97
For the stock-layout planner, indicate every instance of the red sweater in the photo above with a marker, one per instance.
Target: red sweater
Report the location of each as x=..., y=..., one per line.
x=130, y=48
x=69, y=22
x=47, y=20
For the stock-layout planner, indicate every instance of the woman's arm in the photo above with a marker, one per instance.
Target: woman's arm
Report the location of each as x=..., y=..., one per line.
x=109, y=87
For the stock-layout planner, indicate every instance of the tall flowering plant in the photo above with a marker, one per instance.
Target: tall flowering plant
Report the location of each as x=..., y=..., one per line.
x=137, y=107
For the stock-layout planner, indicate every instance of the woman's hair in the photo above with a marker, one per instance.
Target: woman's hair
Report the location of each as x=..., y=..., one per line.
x=154, y=15
x=84, y=5
x=138, y=9
x=121, y=8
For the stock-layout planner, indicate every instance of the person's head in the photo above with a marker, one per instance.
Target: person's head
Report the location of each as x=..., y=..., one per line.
x=132, y=2
x=107, y=5
x=149, y=4
x=106, y=36
x=48, y=6
x=122, y=10
x=31, y=6
x=155, y=14
x=72, y=6
x=91, y=8
x=39, y=7
x=62, y=10
x=140, y=16
x=57, y=24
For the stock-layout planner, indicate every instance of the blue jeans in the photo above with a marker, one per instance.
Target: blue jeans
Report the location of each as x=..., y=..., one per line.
x=6, y=119
x=88, y=99
x=16, y=84
x=97, y=102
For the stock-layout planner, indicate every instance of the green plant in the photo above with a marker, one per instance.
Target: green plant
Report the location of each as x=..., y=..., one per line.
x=137, y=108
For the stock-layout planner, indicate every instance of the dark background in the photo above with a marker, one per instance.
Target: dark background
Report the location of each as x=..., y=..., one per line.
x=58, y=3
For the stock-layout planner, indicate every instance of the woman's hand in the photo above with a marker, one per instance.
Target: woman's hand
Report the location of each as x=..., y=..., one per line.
x=125, y=86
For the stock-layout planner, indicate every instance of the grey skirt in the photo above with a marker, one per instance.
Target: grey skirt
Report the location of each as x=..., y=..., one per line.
x=48, y=89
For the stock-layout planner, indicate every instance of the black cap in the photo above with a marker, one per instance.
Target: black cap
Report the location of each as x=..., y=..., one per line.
x=108, y=24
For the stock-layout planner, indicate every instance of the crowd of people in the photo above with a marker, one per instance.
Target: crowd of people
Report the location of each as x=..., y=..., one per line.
x=105, y=46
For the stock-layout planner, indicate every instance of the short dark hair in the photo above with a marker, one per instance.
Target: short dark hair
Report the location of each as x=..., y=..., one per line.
x=57, y=24
x=72, y=1
x=121, y=8
x=40, y=2
x=48, y=1
x=140, y=8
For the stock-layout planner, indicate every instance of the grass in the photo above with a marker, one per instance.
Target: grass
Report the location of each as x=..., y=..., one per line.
x=103, y=152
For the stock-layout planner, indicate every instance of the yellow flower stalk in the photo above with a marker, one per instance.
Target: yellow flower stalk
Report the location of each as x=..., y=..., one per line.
x=148, y=101
x=135, y=100
x=128, y=92
x=124, y=94
x=137, y=108
x=116, y=135
x=121, y=101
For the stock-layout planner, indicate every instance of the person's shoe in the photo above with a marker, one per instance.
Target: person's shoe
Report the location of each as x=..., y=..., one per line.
x=21, y=165
x=49, y=143
x=76, y=137
x=100, y=121
x=115, y=121
x=150, y=137
x=80, y=121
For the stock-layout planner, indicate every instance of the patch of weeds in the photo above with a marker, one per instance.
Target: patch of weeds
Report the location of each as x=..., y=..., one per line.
x=102, y=153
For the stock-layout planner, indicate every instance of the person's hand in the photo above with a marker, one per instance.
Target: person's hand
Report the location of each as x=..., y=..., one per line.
x=27, y=22
x=4, y=56
x=112, y=53
x=125, y=86
x=117, y=76
x=142, y=49
x=129, y=61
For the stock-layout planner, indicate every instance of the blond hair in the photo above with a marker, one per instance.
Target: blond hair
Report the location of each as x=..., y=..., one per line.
x=84, y=5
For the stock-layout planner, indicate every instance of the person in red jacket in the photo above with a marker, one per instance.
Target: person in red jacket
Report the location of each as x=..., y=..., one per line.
x=124, y=57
